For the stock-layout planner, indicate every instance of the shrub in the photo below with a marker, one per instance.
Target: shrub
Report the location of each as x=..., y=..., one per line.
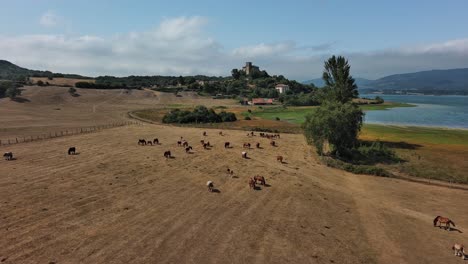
x=277, y=119
x=40, y=83
x=200, y=114
x=248, y=118
x=357, y=169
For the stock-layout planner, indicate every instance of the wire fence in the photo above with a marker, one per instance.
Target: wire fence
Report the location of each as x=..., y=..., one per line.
x=68, y=132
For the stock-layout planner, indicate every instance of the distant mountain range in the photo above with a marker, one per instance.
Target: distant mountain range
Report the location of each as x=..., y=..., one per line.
x=453, y=81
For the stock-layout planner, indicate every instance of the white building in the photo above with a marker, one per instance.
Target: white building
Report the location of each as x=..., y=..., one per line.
x=282, y=88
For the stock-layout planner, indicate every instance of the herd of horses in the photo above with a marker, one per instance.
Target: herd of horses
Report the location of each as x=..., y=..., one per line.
x=439, y=221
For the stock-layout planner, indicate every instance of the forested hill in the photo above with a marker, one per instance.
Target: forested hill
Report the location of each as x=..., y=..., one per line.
x=10, y=71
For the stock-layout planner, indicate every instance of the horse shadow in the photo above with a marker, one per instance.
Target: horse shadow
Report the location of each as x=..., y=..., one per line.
x=74, y=154
x=214, y=190
x=11, y=159
x=267, y=185
x=257, y=188
x=284, y=162
x=259, y=147
x=247, y=158
x=451, y=229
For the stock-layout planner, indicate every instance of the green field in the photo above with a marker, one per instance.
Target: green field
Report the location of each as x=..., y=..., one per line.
x=296, y=114
x=421, y=135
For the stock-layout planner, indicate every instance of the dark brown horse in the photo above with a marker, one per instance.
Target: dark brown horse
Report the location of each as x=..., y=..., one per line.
x=252, y=183
x=142, y=142
x=257, y=145
x=273, y=143
x=188, y=149
x=71, y=151
x=443, y=220
x=156, y=141
x=261, y=179
x=227, y=144
x=167, y=154
x=185, y=144
x=149, y=142
x=8, y=155
x=246, y=145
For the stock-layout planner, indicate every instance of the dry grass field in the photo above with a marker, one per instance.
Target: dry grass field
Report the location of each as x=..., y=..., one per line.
x=118, y=202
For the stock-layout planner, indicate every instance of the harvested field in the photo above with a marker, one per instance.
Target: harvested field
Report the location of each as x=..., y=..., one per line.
x=117, y=202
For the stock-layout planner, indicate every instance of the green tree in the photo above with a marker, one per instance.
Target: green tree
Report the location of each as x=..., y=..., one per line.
x=181, y=80
x=336, y=124
x=12, y=92
x=339, y=83
x=235, y=74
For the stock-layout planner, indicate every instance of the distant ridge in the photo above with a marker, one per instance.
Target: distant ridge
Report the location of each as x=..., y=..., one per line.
x=452, y=81
x=10, y=71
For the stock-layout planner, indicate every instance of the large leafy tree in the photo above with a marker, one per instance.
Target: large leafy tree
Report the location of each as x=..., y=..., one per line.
x=339, y=83
x=338, y=120
x=336, y=124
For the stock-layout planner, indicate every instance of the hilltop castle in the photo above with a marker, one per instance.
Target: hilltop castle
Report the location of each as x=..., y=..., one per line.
x=249, y=68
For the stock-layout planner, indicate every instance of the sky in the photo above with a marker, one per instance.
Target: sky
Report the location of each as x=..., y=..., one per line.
x=211, y=37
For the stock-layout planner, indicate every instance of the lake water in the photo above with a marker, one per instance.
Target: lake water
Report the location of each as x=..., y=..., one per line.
x=435, y=111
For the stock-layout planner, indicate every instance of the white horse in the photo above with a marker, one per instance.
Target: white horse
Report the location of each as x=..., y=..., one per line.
x=244, y=154
x=459, y=251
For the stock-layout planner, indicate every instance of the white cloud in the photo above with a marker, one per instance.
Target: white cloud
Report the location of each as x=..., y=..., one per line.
x=180, y=46
x=49, y=19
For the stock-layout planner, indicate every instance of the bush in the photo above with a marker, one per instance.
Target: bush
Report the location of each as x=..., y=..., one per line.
x=248, y=118
x=357, y=169
x=379, y=100
x=200, y=114
x=277, y=119
x=40, y=83
x=72, y=90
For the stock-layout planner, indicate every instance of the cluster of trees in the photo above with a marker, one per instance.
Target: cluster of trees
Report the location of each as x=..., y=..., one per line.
x=200, y=114
x=91, y=85
x=148, y=81
x=9, y=89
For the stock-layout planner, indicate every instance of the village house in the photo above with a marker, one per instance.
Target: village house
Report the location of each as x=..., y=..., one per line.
x=282, y=88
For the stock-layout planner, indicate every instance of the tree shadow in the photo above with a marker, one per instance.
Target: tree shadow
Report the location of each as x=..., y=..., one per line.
x=20, y=100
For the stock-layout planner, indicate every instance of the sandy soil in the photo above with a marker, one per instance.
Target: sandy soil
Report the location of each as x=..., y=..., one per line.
x=117, y=202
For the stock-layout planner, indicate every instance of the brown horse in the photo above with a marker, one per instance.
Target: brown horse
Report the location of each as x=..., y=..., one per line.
x=252, y=183
x=273, y=143
x=142, y=142
x=179, y=143
x=167, y=154
x=71, y=151
x=279, y=158
x=185, y=144
x=443, y=220
x=261, y=179
x=246, y=145
x=227, y=144
x=204, y=133
x=156, y=141
x=149, y=142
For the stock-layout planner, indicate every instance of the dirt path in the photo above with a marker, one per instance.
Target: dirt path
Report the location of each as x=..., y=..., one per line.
x=117, y=202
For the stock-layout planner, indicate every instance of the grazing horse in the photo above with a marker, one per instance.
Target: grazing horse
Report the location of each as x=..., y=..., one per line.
x=202, y=142
x=279, y=158
x=206, y=145
x=221, y=133
x=257, y=145
x=167, y=154
x=443, y=220
x=252, y=183
x=227, y=144
x=156, y=141
x=261, y=179
x=210, y=186
x=179, y=143
x=185, y=144
x=459, y=251
x=246, y=145
x=188, y=149
x=71, y=151
x=244, y=154
x=8, y=155
x=273, y=143
x=142, y=142
x=204, y=133
x=149, y=142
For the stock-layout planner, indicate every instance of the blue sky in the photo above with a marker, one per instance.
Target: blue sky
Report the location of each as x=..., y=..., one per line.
x=211, y=37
